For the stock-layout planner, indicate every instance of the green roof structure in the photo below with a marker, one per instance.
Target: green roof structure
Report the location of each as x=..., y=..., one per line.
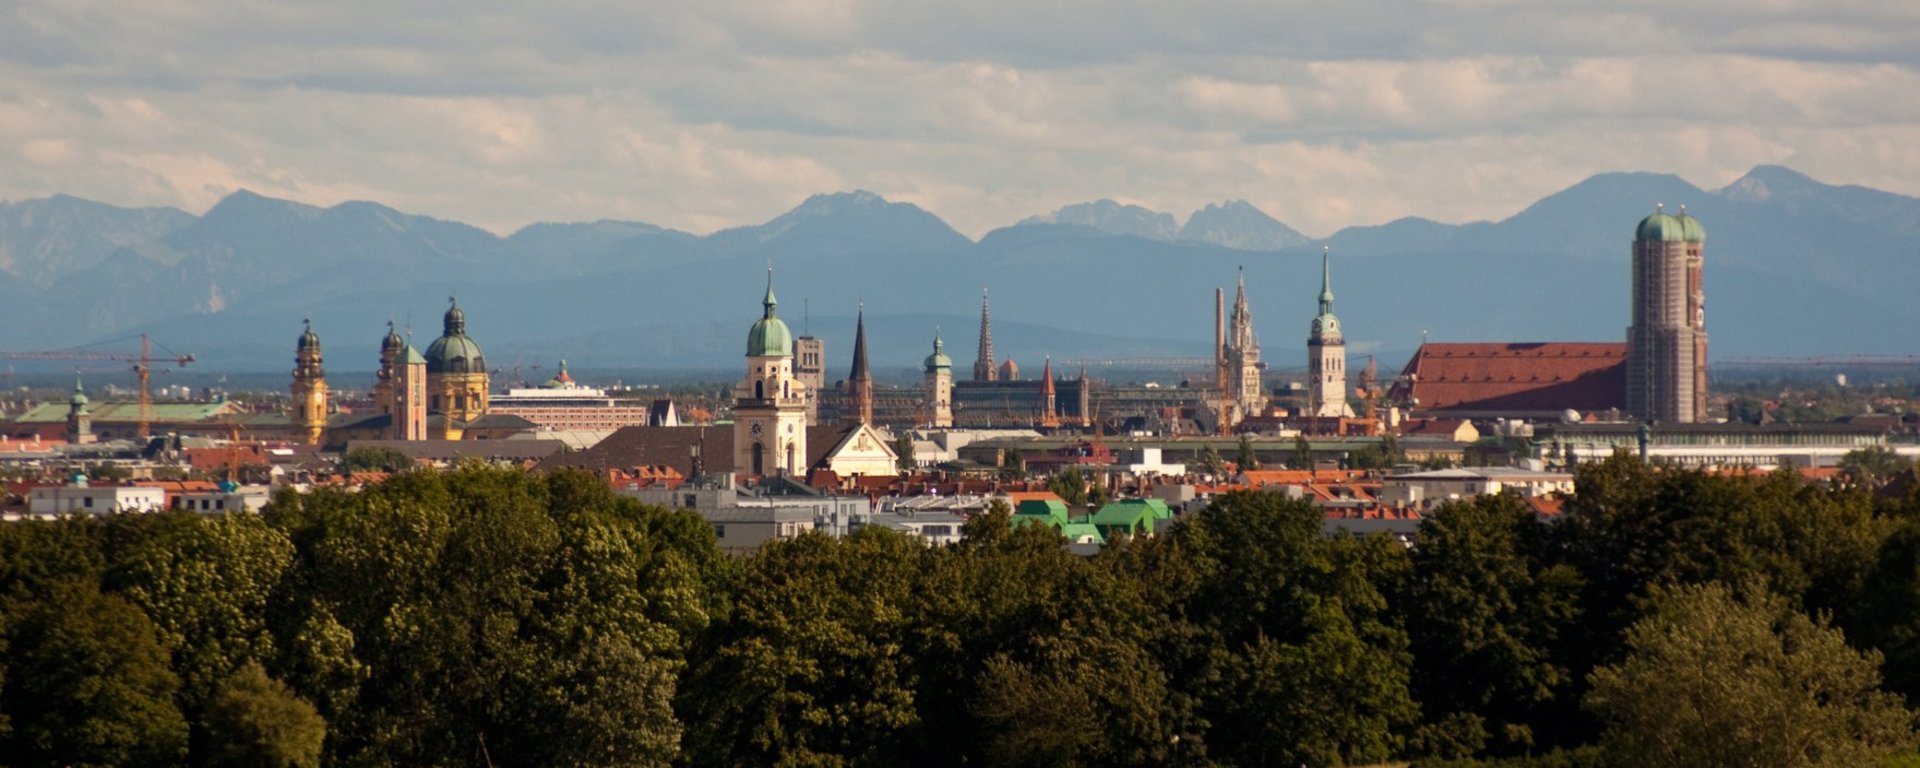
x=769, y=337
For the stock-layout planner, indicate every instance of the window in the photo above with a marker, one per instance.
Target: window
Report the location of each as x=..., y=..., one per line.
x=87, y=502
x=719, y=531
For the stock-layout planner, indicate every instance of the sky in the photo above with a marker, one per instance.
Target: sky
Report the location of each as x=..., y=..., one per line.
x=720, y=113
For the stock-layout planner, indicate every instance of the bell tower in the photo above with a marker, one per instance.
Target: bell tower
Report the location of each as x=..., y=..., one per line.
x=939, y=369
x=770, y=403
x=309, y=389
x=1327, y=354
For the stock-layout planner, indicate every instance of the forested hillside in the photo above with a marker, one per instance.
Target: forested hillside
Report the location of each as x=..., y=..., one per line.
x=494, y=617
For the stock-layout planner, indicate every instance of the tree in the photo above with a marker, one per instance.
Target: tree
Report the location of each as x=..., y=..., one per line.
x=1302, y=453
x=1485, y=611
x=255, y=720
x=88, y=684
x=375, y=459
x=1712, y=679
x=1211, y=460
x=1872, y=466
x=1013, y=464
x=1247, y=458
x=1070, y=485
x=903, y=452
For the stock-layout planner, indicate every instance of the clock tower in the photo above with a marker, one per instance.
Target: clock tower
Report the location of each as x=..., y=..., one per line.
x=770, y=403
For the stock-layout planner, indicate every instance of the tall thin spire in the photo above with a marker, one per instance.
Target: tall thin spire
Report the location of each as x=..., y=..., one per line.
x=769, y=301
x=860, y=369
x=983, y=368
x=1326, y=280
x=860, y=381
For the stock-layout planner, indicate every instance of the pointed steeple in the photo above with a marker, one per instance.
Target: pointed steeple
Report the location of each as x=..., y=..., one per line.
x=1326, y=280
x=860, y=369
x=1046, y=377
x=983, y=369
x=769, y=302
x=860, y=381
x=78, y=403
x=1050, y=415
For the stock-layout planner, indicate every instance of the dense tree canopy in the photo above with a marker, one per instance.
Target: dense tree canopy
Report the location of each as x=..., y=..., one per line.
x=492, y=616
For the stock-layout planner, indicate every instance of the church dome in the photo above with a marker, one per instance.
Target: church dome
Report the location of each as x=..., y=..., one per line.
x=1009, y=370
x=454, y=351
x=79, y=394
x=309, y=339
x=1690, y=229
x=392, y=342
x=938, y=359
x=1661, y=227
x=769, y=336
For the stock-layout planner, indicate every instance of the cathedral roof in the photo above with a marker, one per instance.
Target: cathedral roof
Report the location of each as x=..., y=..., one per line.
x=1506, y=377
x=1664, y=227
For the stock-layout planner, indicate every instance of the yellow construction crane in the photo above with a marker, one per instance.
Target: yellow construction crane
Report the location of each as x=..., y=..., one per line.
x=142, y=370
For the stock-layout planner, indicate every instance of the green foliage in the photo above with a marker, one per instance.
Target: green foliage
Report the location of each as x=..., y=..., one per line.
x=1485, y=612
x=903, y=452
x=102, y=471
x=88, y=684
x=255, y=720
x=1247, y=458
x=494, y=616
x=1713, y=679
x=1302, y=453
x=1211, y=461
x=1872, y=466
x=375, y=459
x=1070, y=485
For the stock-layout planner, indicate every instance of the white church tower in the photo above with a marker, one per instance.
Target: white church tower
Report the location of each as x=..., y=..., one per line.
x=1327, y=354
x=770, y=404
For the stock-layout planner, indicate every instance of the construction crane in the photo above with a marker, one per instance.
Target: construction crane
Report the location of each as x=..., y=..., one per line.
x=142, y=370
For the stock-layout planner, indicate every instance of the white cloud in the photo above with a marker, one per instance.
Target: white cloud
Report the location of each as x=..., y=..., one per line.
x=702, y=116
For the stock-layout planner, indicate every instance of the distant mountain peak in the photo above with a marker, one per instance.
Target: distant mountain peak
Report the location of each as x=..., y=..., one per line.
x=1112, y=217
x=827, y=204
x=1237, y=224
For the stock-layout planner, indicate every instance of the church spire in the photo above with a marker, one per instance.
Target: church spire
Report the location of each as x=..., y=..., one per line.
x=860, y=381
x=983, y=369
x=1326, y=280
x=769, y=302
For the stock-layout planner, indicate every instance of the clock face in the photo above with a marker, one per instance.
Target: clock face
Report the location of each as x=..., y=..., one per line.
x=755, y=428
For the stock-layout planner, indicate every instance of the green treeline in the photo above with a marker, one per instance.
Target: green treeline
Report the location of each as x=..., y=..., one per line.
x=494, y=617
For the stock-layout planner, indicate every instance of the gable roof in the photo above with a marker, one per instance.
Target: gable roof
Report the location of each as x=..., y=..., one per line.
x=1515, y=377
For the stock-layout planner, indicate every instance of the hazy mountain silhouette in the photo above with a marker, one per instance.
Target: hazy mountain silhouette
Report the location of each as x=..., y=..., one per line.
x=1794, y=267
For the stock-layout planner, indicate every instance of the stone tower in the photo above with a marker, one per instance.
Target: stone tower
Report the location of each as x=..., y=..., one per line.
x=309, y=390
x=410, y=396
x=1327, y=353
x=810, y=367
x=939, y=369
x=79, y=421
x=983, y=369
x=1246, y=396
x=1049, y=400
x=1667, y=342
x=390, y=349
x=860, y=379
x=770, y=403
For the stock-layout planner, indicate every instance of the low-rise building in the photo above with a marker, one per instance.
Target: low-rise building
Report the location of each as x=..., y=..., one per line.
x=84, y=499
x=1423, y=490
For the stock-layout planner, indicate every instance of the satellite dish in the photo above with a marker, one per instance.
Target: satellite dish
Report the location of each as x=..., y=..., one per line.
x=1570, y=416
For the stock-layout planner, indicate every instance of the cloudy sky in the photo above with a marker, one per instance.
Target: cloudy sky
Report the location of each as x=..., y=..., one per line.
x=717, y=113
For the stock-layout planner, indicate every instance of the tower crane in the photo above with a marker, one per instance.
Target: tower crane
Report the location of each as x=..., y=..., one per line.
x=142, y=369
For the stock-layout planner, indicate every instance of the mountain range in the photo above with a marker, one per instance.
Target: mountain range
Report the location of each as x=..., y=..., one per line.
x=1794, y=267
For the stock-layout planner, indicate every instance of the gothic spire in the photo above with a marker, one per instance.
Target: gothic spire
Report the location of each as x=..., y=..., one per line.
x=860, y=369
x=983, y=369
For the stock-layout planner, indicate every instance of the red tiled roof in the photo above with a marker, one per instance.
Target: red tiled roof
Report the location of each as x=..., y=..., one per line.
x=1544, y=376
